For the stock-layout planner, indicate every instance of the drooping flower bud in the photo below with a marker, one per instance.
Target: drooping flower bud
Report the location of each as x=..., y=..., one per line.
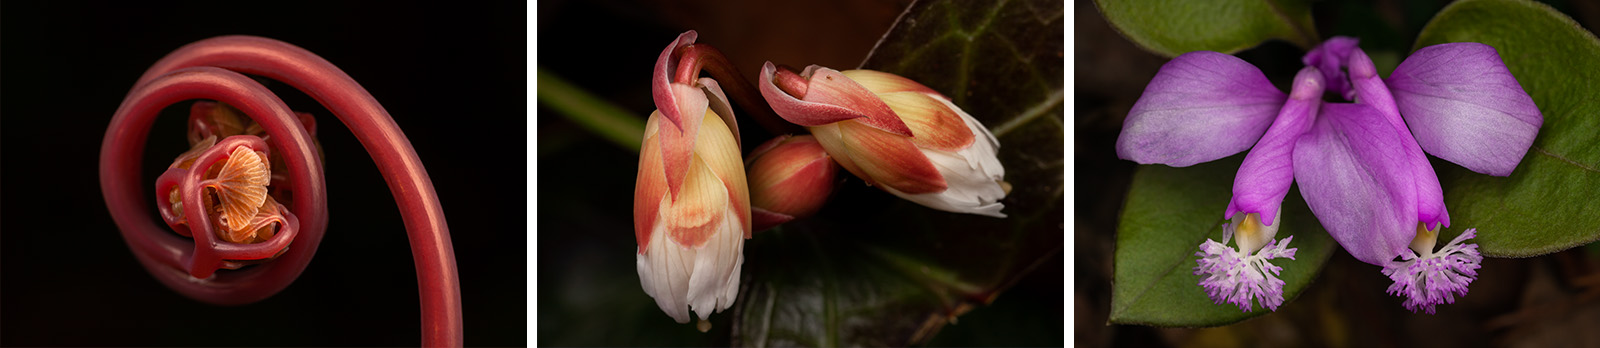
x=691, y=204
x=790, y=178
x=894, y=133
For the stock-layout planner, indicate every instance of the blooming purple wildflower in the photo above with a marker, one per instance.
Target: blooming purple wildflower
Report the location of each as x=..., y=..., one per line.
x=1362, y=167
x=1429, y=278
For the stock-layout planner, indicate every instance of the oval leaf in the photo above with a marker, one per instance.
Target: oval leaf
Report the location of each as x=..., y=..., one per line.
x=1174, y=27
x=1546, y=205
x=1169, y=212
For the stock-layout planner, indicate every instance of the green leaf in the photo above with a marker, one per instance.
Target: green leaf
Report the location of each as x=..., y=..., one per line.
x=872, y=269
x=1169, y=212
x=1547, y=204
x=1174, y=27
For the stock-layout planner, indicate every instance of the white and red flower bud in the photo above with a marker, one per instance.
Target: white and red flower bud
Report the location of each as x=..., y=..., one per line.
x=790, y=178
x=894, y=133
x=691, y=204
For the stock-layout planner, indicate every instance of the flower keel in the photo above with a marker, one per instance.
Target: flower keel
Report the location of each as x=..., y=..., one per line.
x=1427, y=278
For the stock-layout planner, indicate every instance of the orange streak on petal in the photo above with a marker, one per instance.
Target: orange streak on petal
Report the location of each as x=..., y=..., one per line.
x=702, y=200
x=651, y=186
x=891, y=160
x=932, y=124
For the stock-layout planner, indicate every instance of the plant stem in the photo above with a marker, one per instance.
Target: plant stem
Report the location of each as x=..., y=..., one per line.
x=420, y=209
x=609, y=121
x=694, y=58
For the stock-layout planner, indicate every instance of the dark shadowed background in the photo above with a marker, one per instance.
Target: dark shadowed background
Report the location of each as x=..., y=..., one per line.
x=450, y=73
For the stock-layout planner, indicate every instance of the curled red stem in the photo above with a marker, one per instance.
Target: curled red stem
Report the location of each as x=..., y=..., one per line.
x=176, y=78
x=698, y=57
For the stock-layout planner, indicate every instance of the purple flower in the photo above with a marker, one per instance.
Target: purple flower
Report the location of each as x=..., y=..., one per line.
x=1361, y=166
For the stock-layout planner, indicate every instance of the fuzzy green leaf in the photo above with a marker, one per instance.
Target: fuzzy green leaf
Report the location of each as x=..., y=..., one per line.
x=1169, y=212
x=1174, y=27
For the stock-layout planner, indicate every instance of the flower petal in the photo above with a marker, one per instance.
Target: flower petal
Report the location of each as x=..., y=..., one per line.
x=1200, y=107
x=1356, y=179
x=703, y=278
x=794, y=177
x=1330, y=57
x=932, y=123
x=888, y=160
x=1268, y=169
x=1370, y=90
x=719, y=150
x=832, y=100
x=881, y=82
x=677, y=144
x=241, y=186
x=1464, y=106
x=661, y=85
x=718, y=102
x=651, y=185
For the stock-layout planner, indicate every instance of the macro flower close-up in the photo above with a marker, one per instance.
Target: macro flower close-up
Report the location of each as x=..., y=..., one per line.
x=1400, y=171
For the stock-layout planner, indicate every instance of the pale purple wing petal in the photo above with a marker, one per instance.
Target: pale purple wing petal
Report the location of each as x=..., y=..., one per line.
x=1329, y=57
x=1370, y=89
x=1200, y=107
x=1464, y=106
x=1268, y=169
x=1357, y=180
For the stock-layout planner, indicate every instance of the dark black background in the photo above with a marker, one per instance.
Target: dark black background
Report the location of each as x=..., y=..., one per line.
x=452, y=75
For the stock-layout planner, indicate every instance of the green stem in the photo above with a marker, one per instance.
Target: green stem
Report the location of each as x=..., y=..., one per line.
x=599, y=116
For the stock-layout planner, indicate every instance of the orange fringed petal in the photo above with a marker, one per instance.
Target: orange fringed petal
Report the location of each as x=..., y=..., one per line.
x=241, y=187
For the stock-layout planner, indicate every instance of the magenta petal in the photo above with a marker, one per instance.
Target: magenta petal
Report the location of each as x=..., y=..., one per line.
x=661, y=81
x=1370, y=90
x=1329, y=57
x=1268, y=169
x=1201, y=106
x=1357, y=180
x=1464, y=106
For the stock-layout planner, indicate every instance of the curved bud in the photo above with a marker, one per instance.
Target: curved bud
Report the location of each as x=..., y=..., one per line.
x=666, y=96
x=790, y=177
x=691, y=239
x=829, y=97
x=945, y=159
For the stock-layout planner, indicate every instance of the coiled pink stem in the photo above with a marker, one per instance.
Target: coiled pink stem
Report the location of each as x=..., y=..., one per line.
x=209, y=69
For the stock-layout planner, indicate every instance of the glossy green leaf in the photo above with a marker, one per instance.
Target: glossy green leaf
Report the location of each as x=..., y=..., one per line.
x=1548, y=203
x=1174, y=27
x=1169, y=212
x=875, y=270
